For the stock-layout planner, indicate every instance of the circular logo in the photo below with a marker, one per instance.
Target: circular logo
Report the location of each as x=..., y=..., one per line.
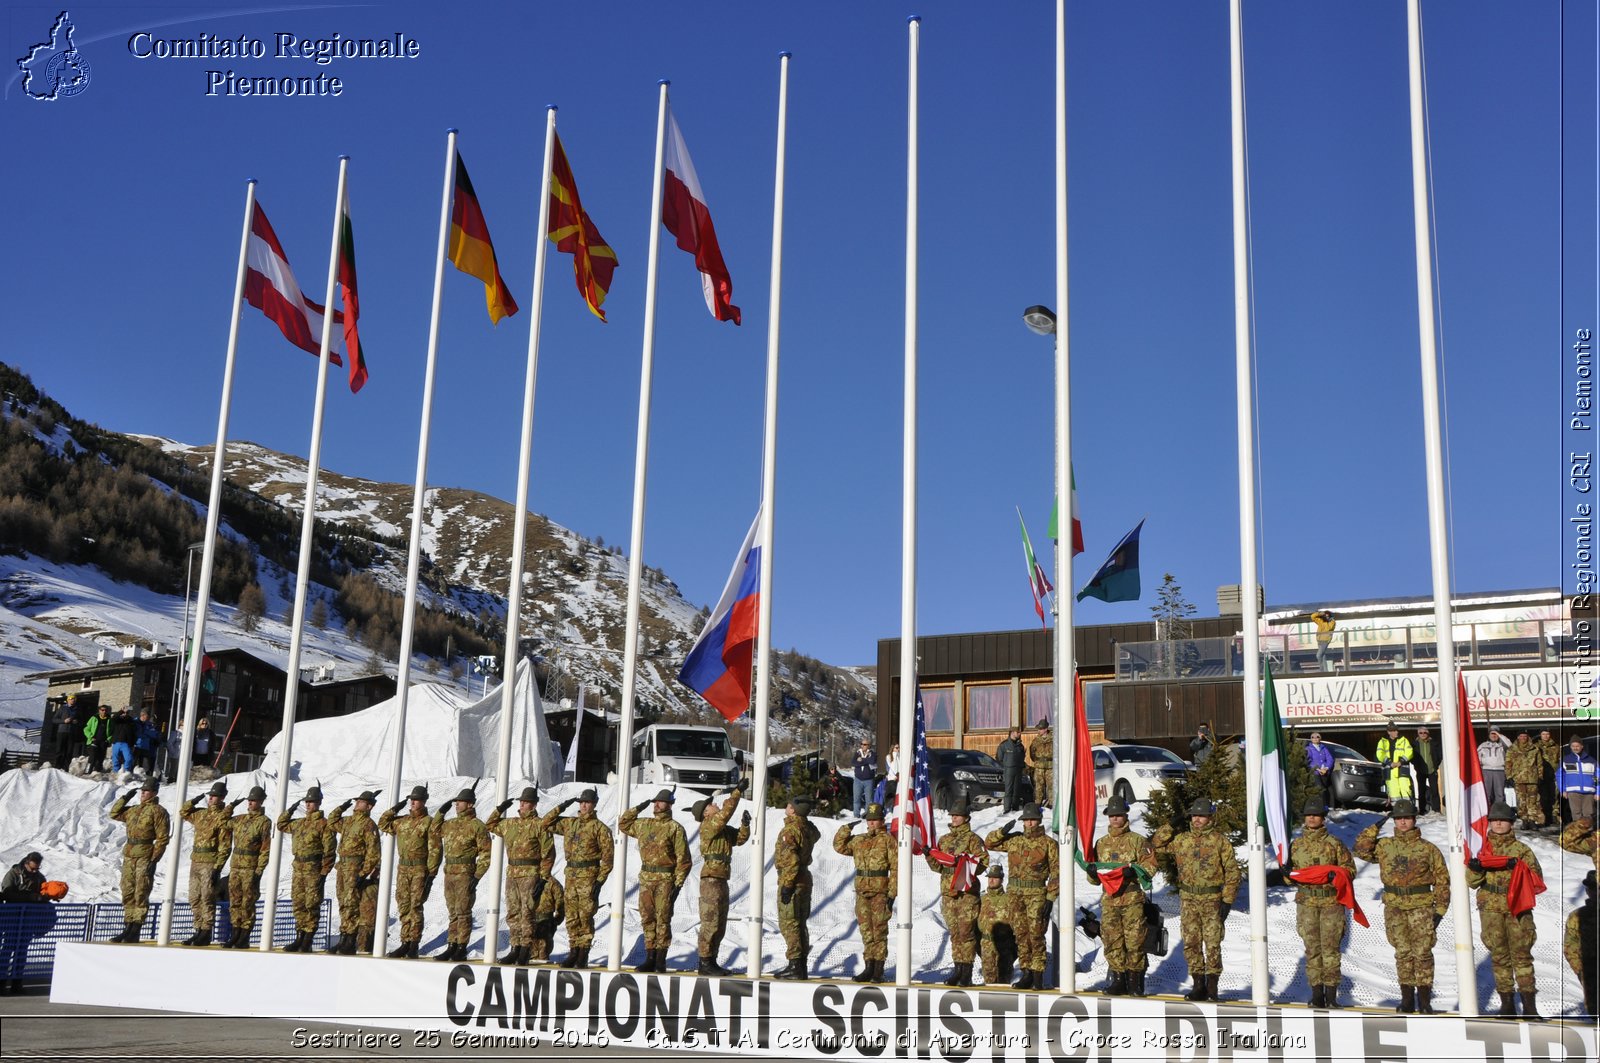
x=67, y=74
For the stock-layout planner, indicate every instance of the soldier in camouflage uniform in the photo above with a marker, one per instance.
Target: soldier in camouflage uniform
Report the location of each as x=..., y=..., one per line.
x=1042, y=751
x=1580, y=837
x=149, y=830
x=252, y=841
x=548, y=913
x=877, y=883
x=530, y=856
x=663, y=869
x=213, y=841
x=1581, y=945
x=1525, y=768
x=1208, y=881
x=1416, y=894
x=360, y=857
x=717, y=841
x=417, y=854
x=960, y=906
x=791, y=856
x=590, y=849
x=1122, y=921
x=464, y=847
x=1509, y=937
x=315, y=846
x=1549, y=800
x=999, y=948
x=1035, y=861
x=1319, y=916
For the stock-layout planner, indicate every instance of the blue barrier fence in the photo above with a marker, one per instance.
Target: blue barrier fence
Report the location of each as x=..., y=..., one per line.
x=29, y=933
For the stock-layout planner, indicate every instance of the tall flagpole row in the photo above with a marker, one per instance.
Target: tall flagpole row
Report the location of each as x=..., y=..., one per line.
x=414, y=557
x=191, y=694
x=630, y=649
x=308, y=525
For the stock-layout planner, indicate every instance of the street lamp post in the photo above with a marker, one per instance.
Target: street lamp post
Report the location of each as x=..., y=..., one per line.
x=1041, y=321
x=183, y=648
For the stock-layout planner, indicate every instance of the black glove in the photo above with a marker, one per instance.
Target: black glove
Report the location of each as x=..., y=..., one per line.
x=743, y=787
x=322, y=883
x=1475, y=865
x=568, y=803
x=675, y=891
x=1438, y=917
x=1223, y=908
x=235, y=803
x=502, y=806
x=344, y=806
x=538, y=888
x=427, y=887
x=1006, y=828
x=746, y=819
x=1094, y=876
x=395, y=809
x=129, y=796
x=642, y=805
x=594, y=895
x=216, y=877
x=785, y=894
x=1049, y=906
x=1332, y=878
x=891, y=905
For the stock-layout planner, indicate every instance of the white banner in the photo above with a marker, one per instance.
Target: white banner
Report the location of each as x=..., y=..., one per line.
x=1494, y=694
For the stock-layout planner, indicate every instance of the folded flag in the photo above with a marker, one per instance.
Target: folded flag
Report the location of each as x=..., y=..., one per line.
x=1525, y=884
x=574, y=233
x=718, y=665
x=965, y=865
x=1117, y=580
x=1343, y=888
x=686, y=217
x=270, y=287
x=347, y=296
x=1112, y=876
x=471, y=249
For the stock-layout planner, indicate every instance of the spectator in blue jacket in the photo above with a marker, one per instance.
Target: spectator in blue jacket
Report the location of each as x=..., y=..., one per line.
x=865, y=773
x=1320, y=759
x=1577, y=779
x=146, y=739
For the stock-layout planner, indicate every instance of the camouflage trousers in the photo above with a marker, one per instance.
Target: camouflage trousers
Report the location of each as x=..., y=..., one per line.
x=1029, y=925
x=202, y=894
x=1044, y=784
x=794, y=923
x=409, y=885
x=358, y=908
x=961, y=918
x=244, y=889
x=581, y=905
x=1202, y=927
x=1122, y=929
x=460, y=890
x=542, y=939
x=999, y=955
x=1529, y=808
x=138, y=875
x=872, y=912
x=1410, y=931
x=713, y=914
x=305, y=895
x=519, y=907
x=1509, y=939
x=1322, y=928
x=655, y=909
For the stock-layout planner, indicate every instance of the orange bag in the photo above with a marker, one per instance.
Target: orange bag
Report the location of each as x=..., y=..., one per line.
x=53, y=890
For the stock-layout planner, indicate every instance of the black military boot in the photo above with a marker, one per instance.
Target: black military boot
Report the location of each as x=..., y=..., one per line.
x=510, y=958
x=1318, y=997
x=650, y=964
x=865, y=974
x=347, y=944
x=1408, y=1000
x=1026, y=981
x=1136, y=983
x=797, y=970
x=130, y=934
x=1530, y=1008
x=1508, y=1006
x=580, y=957
x=710, y=966
x=955, y=975
x=363, y=943
x=966, y=973
x=241, y=938
x=1198, y=990
x=298, y=944
x=877, y=971
x=1424, y=1000
x=1330, y=997
x=199, y=938
x=1211, y=986
x=399, y=951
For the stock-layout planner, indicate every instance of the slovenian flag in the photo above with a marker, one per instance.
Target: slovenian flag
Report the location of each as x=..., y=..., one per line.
x=718, y=666
x=686, y=217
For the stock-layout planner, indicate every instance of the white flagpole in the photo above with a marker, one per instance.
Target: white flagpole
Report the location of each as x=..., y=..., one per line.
x=191, y=694
x=1438, y=525
x=769, y=465
x=630, y=648
x=577, y=729
x=380, y=939
x=908, y=528
x=303, y=578
x=1260, y=976
x=1066, y=687
x=519, y=539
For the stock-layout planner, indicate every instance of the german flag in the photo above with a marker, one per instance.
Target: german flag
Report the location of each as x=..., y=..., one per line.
x=471, y=249
x=574, y=232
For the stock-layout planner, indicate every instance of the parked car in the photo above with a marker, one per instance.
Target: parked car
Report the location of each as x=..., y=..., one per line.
x=967, y=774
x=1133, y=772
x=1357, y=779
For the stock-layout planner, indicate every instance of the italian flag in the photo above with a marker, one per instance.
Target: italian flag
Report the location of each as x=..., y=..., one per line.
x=1038, y=582
x=1077, y=520
x=1273, y=813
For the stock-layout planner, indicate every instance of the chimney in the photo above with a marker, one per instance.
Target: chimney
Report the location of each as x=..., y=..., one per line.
x=1230, y=602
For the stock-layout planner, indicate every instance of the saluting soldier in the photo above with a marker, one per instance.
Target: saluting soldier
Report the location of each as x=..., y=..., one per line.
x=1525, y=769
x=464, y=849
x=1042, y=751
x=663, y=869
x=1122, y=922
x=417, y=855
x=360, y=857
x=791, y=856
x=589, y=846
x=1035, y=879
x=315, y=846
x=1208, y=881
x=252, y=842
x=717, y=842
x=1416, y=894
x=149, y=830
x=1581, y=837
x=958, y=898
x=213, y=841
x=530, y=856
x=1509, y=936
x=548, y=912
x=994, y=924
x=877, y=883
x=1319, y=916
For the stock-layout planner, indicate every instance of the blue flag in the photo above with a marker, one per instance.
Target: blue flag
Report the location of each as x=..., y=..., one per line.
x=1118, y=579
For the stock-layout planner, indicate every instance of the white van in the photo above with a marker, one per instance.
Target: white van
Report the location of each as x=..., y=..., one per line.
x=700, y=758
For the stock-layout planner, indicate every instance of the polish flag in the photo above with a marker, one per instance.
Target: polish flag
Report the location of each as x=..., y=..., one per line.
x=688, y=219
x=270, y=287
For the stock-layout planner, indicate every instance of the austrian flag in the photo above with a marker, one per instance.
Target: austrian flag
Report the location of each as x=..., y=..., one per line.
x=270, y=287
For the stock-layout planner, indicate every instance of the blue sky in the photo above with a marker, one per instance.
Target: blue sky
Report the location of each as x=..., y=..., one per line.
x=124, y=205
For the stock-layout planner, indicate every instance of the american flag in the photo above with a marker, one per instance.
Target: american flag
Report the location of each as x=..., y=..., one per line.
x=921, y=805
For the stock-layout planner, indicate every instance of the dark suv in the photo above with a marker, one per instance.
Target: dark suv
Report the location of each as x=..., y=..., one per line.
x=965, y=773
x=1357, y=779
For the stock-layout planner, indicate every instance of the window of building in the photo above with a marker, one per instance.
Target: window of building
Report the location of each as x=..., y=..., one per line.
x=988, y=706
x=939, y=708
x=1039, y=702
x=1094, y=712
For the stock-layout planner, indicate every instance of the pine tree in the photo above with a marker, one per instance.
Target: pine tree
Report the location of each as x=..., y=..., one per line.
x=319, y=614
x=1219, y=779
x=252, y=606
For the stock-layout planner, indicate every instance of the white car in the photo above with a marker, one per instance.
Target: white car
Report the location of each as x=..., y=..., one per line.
x=1134, y=772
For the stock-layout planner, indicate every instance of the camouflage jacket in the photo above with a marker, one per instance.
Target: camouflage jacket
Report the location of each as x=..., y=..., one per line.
x=149, y=827
x=1551, y=752
x=663, y=845
x=1524, y=763
x=960, y=841
x=252, y=841
x=994, y=911
x=590, y=845
x=416, y=839
x=1580, y=837
x=1205, y=861
x=1034, y=858
x=717, y=839
x=1312, y=848
x=791, y=853
x=530, y=848
x=359, y=851
x=1042, y=750
x=1413, y=871
x=1491, y=885
x=315, y=842
x=213, y=832
x=1124, y=846
x=877, y=856
x=552, y=902
x=464, y=844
